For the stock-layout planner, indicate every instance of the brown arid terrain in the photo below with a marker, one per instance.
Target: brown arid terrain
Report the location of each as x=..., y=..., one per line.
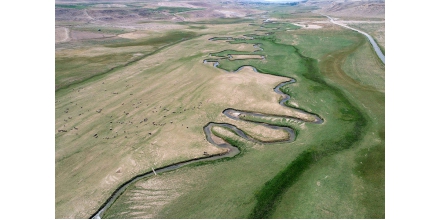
x=150, y=117
x=353, y=9
x=133, y=94
x=108, y=20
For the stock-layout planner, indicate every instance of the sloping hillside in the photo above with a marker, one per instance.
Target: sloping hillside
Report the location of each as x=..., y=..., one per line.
x=355, y=9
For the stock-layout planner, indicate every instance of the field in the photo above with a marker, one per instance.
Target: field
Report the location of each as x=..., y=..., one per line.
x=133, y=94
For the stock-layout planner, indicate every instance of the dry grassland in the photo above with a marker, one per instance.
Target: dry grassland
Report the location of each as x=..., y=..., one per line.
x=321, y=186
x=151, y=113
x=136, y=35
x=148, y=198
x=83, y=35
x=375, y=29
x=364, y=67
x=354, y=9
x=261, y=132
x=146, y=115
x=61, y=34
x=250, y=91
x=307, y=25
x=179, y=4
x=241, y=57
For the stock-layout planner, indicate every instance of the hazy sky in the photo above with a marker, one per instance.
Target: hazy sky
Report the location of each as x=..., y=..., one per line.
x=282, y=0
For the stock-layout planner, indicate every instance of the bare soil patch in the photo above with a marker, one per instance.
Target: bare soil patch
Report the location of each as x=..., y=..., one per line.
x=250, y=91
x=232, y=13
x=355, y=9
x=178, y=4
x=67, y=14
x=241, y=57
x=361, y=22
x=135, y=35
x=110, y=6
x=307, y=26
x=82, y=35
x=62, y=34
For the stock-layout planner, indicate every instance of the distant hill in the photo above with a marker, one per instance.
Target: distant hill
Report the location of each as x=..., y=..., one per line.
x=369, y=9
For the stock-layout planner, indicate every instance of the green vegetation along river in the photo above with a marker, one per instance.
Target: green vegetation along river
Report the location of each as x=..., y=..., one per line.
x=353, y=126
x=232, y=149
x=372, y=42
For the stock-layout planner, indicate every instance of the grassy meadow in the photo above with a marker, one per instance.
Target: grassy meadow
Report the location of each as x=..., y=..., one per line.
x=127, y=105
x=376, y=30
x=340, y=136
x=98, y=57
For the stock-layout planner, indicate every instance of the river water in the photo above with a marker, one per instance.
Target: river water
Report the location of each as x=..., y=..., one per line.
x=373, y=43
x=230, y=152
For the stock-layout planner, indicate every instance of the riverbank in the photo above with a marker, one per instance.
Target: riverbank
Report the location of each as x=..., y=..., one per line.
x=373, y=43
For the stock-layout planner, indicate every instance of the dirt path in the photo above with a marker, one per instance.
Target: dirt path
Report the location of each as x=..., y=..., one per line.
x=62, y=35
x=178, y=17
x=67, y=37
x=88, y=16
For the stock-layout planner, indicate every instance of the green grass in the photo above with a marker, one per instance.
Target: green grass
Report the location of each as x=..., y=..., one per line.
x=280, y=26
x=302, y=195
x=101, y=29
x=273, y=189
x=347, y=112
x=371, y=168
x=290, y=12
x=235, y=141
x=280, y=60
x=376, y=30
x=274, y=181
x=172, y=36
x=124, y=200
x=219, y=21
x=75, y=6
x=232, y=198
x=267, y=196
x=344, y=127
x=124, y=204
x=200, y=27
x=225, y=53
x=170, y=10
x=72, y=70
x=273, y=120
x=364, y=67
x=310, y=42
x=149, y=88
x=176, y=9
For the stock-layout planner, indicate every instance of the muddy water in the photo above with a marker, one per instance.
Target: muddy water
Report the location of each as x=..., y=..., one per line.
x=231, y=151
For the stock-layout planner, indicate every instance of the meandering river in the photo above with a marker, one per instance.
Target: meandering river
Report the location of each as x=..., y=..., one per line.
x=231, y=150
